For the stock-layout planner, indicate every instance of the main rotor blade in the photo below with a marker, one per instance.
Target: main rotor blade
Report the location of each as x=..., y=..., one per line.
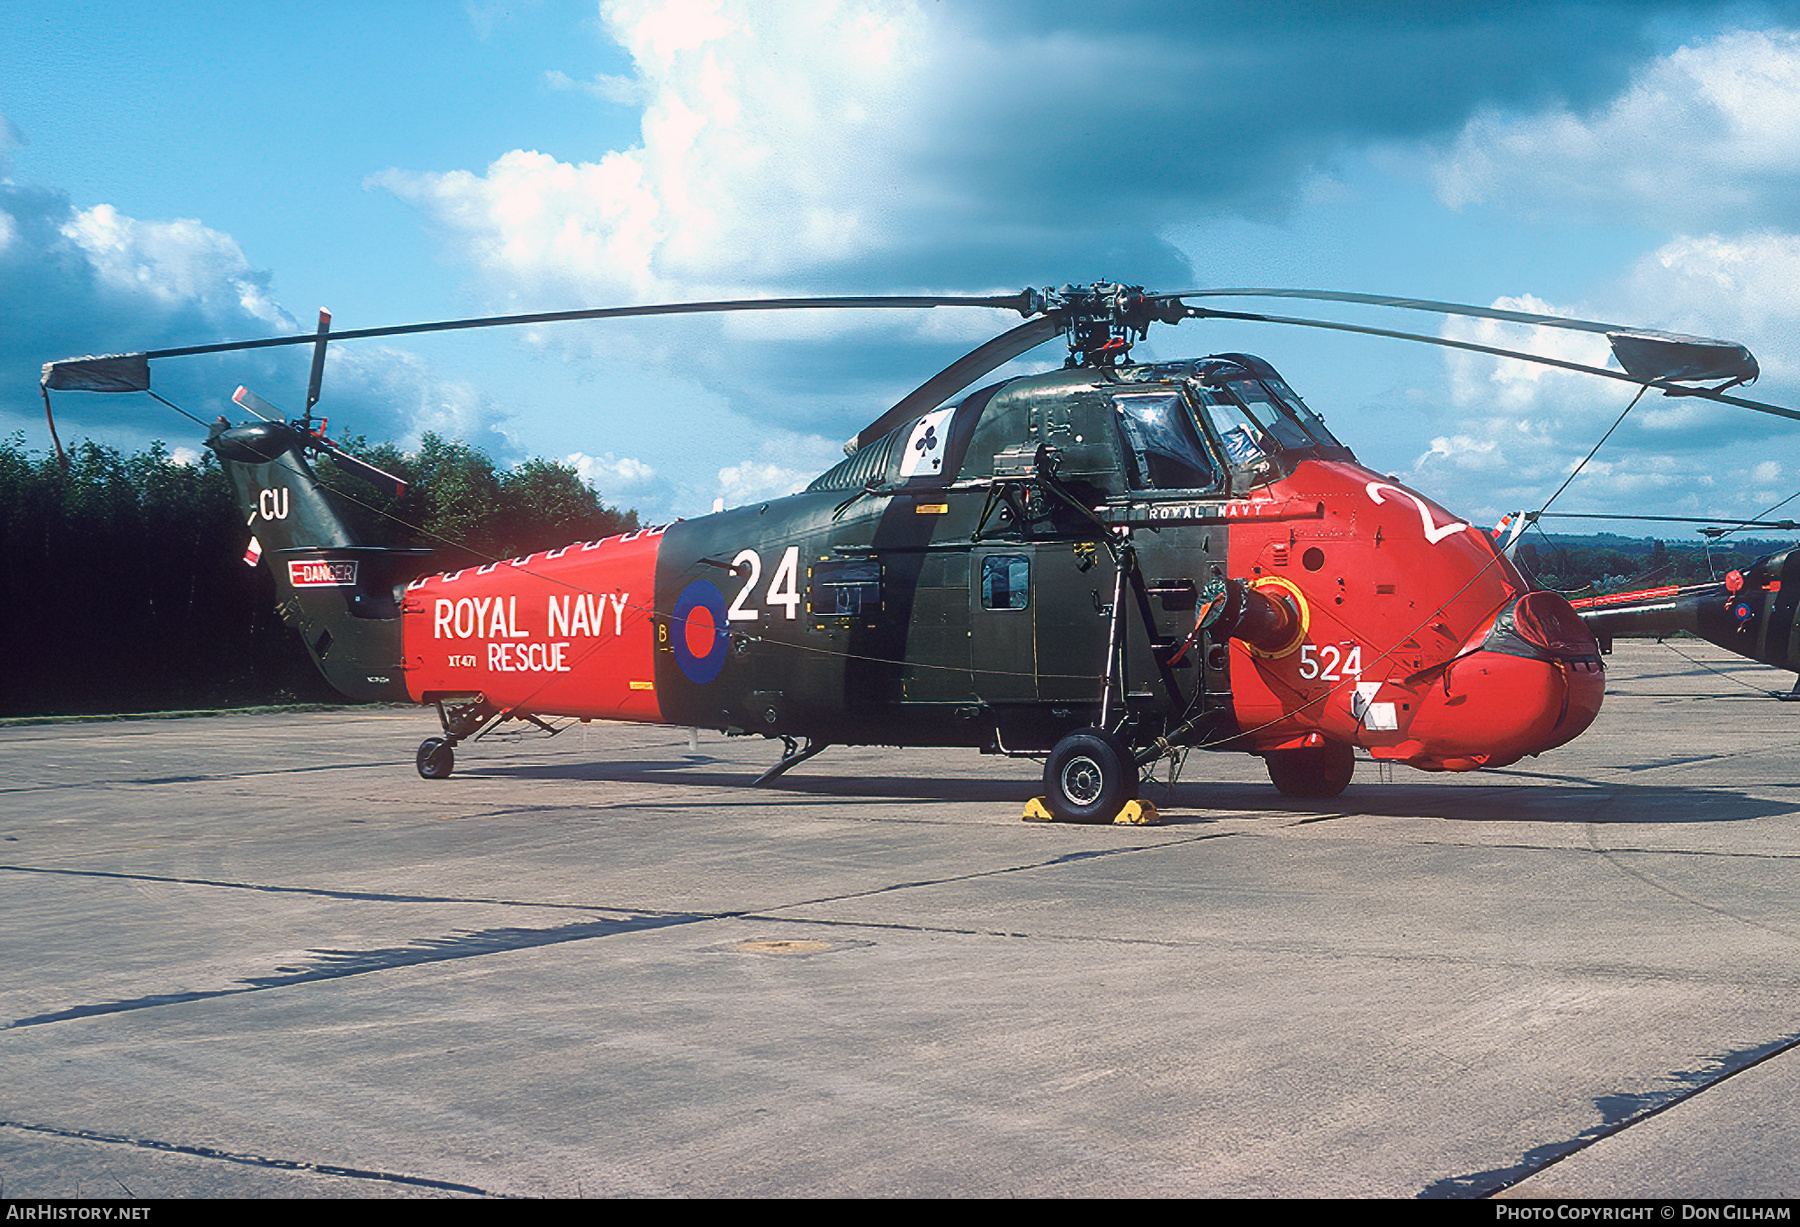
x=1659, y=382
x=959, y=375
x=1787, y=525
x=1645, y=353
x=1416, y=304
x=70, y=373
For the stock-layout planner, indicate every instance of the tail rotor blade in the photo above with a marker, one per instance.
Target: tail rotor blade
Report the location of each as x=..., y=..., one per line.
x=318, y=362
x=361, y=468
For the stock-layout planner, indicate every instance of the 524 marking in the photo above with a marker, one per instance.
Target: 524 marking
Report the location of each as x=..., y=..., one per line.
x=1330, y=662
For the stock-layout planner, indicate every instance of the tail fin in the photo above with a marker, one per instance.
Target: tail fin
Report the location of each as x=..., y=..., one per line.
x=342, y=596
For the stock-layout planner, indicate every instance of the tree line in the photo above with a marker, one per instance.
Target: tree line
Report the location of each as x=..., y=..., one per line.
x=1603, y=562
x=123, y=587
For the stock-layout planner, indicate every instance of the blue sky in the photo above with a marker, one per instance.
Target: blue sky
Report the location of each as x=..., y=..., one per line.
x=178, y=174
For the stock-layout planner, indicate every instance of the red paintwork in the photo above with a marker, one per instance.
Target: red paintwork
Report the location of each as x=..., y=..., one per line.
x=1401, y=587
x=567, y=632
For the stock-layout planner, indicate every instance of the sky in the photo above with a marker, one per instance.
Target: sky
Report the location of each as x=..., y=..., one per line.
x=173, y=175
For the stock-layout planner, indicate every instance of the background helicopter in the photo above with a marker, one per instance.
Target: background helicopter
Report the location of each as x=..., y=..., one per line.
x=1751, y=611
x=1102, y=566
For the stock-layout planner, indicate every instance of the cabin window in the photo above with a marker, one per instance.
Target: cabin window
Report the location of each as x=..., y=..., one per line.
x=1161, y=448
x=1005, y=581
x=848, y=588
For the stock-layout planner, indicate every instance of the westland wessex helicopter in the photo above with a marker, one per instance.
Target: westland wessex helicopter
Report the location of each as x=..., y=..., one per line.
x=1103, y=566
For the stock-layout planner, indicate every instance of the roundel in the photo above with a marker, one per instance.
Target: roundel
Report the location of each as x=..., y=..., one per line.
x=697, y=631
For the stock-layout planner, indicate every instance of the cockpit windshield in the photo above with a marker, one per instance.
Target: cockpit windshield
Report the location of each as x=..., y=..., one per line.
x=1259, y=422
x=1315, y=425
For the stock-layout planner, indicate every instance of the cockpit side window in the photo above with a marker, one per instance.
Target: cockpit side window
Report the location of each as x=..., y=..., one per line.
x=1247, y=446
x=1263, y=428
x=1161, y=448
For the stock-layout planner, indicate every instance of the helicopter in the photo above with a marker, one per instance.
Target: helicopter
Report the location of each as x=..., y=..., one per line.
x=1750, y=611
x=1102, y=566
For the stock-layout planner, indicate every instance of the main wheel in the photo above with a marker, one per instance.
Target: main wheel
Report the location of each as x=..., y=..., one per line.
x=435, y=759
x=1090, y=777
x=1316, y=771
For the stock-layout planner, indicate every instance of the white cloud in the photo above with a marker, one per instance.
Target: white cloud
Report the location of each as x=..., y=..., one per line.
x=1708, y=134
x=177, y=263
x=610, y=471
x=767, y=145
x=1739, y=286
x=1520, y=429
x=782, y=466
x=1509, y=384
x=755, y=481
x=626, y=91
x=1705, y=143
x=393, y=394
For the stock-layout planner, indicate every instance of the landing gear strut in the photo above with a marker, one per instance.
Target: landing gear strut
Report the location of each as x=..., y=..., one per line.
x=791, y=756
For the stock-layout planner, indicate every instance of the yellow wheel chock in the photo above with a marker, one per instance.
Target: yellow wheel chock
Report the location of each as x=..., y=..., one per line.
x=1136, y=813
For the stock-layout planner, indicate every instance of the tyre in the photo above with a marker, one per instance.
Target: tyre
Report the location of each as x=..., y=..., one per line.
x=1316, y=771
x=435, y=759
x=1090, y=777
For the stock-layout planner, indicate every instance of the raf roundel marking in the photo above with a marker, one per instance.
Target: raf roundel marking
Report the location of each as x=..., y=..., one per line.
x=698, y=632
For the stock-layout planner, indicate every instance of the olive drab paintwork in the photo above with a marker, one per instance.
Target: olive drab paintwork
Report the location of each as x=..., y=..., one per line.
x=338, y=595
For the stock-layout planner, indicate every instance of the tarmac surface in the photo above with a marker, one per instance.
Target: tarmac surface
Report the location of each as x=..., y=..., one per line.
x=256, y=955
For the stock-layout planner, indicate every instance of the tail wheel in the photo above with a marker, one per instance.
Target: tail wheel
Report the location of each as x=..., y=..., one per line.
x=1090, y=777
x=1315, y=771
x=435, y=759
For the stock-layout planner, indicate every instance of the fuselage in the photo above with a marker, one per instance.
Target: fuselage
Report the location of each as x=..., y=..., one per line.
x=942, y=586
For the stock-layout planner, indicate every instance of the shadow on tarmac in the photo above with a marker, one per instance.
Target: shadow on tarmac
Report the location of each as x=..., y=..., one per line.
x=1570, y=801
